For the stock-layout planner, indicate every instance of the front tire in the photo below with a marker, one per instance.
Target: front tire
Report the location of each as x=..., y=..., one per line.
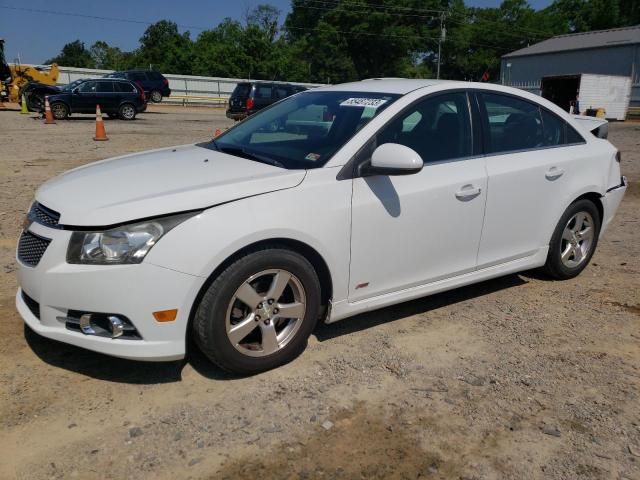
x=259, y=312
x=59, y=110
x=574, y=240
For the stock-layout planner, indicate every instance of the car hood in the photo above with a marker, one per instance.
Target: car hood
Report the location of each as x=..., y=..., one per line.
x=158, y=182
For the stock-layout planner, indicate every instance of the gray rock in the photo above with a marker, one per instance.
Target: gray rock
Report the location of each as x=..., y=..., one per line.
x=135, y=432
x=552, y=430
x=327, y=425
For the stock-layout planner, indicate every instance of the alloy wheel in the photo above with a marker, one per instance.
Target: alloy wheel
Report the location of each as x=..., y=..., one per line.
x=577, y=239
x=265, y=312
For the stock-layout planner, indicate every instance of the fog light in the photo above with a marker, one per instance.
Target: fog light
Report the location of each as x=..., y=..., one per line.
x=101, y=324
x=117, y=327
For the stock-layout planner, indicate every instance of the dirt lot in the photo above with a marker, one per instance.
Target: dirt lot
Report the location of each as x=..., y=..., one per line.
x=518, y=377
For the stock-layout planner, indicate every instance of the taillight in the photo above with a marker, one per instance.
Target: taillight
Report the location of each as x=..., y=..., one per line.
x=618, y=156
x=249, y=103
x=165, y=81
x=141, y=92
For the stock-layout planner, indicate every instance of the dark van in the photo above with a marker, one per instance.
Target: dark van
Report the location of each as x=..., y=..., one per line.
x=155, y=85
x=249, y=97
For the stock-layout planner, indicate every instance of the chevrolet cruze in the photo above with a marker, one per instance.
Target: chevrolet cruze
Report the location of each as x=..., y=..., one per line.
x=329, y=203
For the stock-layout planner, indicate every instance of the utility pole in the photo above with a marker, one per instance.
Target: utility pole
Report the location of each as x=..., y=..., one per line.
x=443, y=35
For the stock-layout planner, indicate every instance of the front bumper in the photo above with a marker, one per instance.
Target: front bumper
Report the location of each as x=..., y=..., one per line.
x=134, y=291
x=611, y=202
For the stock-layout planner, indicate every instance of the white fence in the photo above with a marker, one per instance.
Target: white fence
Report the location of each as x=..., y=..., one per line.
x=184, y=88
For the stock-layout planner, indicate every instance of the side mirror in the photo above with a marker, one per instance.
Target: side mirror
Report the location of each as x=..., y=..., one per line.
x=394, y=159
x=75, y=91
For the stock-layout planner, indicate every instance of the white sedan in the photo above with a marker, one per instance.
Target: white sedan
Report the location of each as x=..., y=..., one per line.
x=330, y=203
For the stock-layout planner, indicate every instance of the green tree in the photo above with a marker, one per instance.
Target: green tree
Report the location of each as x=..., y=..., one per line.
x=74, y=54
x=164, y=48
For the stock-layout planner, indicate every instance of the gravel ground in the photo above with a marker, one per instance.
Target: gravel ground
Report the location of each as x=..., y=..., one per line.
x=518, y=377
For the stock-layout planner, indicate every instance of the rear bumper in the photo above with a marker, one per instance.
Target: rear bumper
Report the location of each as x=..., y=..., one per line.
x=611, y=202
x=236, y=115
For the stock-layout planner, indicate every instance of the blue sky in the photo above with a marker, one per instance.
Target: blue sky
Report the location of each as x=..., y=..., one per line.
x=35, y=36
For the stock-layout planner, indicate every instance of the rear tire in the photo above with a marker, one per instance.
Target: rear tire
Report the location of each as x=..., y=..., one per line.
x=59, y=110
x=574, y=240
x=240, y=324
x=127, y=111
x=155, y=96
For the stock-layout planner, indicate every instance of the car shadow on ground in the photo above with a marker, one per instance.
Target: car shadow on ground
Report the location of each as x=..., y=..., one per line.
x=415, y=307
x=103, y=367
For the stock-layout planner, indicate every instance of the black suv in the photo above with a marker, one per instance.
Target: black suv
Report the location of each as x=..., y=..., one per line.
x=155, y=85
x=116, y=97
x=249, y=97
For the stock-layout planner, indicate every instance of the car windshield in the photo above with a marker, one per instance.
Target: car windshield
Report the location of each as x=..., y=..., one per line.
x=71, y=85
x=303, y=131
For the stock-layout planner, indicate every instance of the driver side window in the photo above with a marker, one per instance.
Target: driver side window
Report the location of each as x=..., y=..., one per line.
x=438, y=128
x=88, y=87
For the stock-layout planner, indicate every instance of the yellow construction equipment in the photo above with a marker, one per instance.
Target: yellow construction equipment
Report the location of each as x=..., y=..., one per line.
x=15, y=77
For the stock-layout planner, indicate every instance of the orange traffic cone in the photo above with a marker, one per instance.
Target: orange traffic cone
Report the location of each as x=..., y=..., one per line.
x=101, y=135
x=48, y=116
x=217, y=133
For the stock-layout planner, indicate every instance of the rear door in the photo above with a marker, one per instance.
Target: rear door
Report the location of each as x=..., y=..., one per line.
x=106, y=97
x=533, y=160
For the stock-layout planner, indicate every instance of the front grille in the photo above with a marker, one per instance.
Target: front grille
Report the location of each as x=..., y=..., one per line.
x=31, y=247
x=31, y=305
x=43, y=215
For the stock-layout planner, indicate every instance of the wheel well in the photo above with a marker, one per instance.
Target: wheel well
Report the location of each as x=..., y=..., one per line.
x=595, y=198
x=316, y=260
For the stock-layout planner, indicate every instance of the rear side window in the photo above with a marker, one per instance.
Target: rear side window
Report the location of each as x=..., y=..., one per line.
x=137, y=76
x=154, y=75
x=573, y=136
x=280, y=92
x=105, y=87
x=241, y=90
x=553, y=128
x=125, y=87
x=437, y=128
x=263, y=91
x=513, y=124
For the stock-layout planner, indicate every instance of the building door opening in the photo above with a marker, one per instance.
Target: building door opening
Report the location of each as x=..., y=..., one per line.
x=561, y=90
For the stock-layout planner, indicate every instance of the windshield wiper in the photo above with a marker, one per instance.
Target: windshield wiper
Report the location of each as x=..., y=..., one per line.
x=241, y=152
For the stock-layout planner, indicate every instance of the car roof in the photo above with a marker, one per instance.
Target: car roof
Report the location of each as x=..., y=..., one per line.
x=400, y=86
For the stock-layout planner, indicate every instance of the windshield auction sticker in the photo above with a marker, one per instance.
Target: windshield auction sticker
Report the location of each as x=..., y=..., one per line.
x=363, y=102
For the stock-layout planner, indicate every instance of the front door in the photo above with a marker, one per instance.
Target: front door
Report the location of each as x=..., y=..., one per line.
x=84, y=100
x=416, y=229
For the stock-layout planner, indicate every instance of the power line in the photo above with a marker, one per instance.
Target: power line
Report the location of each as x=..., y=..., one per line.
x=95, y=17
x=355, y=33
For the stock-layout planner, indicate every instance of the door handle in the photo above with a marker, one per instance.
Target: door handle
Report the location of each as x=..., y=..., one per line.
x=554, y=173
x=468, y=192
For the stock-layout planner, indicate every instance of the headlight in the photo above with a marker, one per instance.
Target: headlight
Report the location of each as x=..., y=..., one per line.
x=120, y=245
